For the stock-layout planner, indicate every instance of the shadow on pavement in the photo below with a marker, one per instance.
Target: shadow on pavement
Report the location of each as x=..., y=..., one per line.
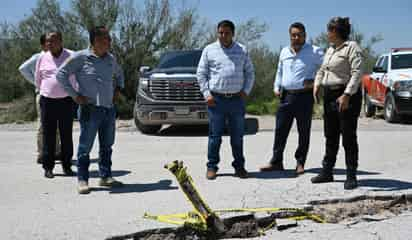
x=251, y=128
x=384, y=184
x=115, y=173
x=139, y=187
x=340, y=171
x=264, y=175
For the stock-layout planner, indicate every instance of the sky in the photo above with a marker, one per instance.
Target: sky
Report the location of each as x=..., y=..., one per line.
x=392, y=19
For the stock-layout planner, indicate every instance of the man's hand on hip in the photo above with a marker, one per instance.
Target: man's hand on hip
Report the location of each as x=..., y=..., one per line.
x=243, y=95
x=210, y=101
x=116, y=95
x=80, y=100
x=316, y=94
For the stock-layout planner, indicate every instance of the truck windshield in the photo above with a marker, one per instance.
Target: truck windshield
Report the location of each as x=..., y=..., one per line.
x=401, y=61
x=180, y=59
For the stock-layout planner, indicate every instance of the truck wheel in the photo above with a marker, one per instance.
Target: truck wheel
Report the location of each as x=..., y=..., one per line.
x=146, y=129
x=389, y=109
x=368, y=106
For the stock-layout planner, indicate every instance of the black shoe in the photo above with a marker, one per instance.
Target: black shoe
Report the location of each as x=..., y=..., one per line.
x=58, y=156
x=351, y=182
x=48, y=174
x=241, y=173
x=68, y=171
x=322, y=178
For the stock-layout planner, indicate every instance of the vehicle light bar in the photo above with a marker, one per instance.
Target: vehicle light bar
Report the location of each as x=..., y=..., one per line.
x=400, y=49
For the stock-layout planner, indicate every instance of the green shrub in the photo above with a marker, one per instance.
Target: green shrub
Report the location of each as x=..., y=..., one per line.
x=124, y=107
x=21, y=110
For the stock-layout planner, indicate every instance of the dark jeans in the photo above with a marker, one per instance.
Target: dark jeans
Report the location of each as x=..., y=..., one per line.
x=297, y=106
x=341, y=123
x=95, y=120
x=231, y=110
x=57, y=112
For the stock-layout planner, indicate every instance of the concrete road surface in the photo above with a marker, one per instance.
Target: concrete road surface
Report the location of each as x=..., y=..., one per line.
x=33, y=207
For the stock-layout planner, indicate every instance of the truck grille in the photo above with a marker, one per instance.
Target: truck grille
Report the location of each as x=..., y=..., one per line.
x=175, y=90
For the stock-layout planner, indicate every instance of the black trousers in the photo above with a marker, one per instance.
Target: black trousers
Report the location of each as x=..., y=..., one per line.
x=341, y=123
x=297, y=106
x=57, y=112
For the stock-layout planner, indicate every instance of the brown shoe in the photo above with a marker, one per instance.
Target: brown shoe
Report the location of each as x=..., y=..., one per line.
x=272, y=167
x=300, y=169
x=211, y=174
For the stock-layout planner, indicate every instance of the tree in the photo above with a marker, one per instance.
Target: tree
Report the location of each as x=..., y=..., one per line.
x=92, y=13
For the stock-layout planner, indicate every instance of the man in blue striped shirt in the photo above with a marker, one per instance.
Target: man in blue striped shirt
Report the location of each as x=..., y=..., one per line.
x=296, y=71
x=100, y=79
x=225, y=74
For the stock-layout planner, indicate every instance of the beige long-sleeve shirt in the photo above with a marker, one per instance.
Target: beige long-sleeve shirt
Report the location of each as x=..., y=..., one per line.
x=342, y=66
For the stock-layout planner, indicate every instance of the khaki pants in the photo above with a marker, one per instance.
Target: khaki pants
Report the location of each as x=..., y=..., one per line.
x=40, y=134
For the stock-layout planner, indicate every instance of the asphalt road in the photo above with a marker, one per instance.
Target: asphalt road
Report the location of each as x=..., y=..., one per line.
x=33, y=207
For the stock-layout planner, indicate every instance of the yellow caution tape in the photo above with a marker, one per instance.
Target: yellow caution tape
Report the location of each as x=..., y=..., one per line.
x=198, y=217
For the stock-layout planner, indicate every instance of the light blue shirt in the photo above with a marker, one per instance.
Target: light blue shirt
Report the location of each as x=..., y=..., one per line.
x=293, y=68
x=225, y=70
x=97, y=77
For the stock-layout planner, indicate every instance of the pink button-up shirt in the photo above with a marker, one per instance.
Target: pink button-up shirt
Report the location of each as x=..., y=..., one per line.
x=45, y=75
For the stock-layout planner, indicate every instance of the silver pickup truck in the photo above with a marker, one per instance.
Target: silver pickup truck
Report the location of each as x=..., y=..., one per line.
x=169, y=93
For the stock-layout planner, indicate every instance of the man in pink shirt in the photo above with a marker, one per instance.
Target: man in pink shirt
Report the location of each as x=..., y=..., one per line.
x=56, y=105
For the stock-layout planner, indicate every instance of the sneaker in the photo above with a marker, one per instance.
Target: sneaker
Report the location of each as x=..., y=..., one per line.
x=68, y=171
x=109, y=182
x=241, y=173
x=48, y=174
x=211, y=174
x=83, y=187
x=272, y=167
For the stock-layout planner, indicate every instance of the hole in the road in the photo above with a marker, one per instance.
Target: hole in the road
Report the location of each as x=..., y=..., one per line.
x=360, y=208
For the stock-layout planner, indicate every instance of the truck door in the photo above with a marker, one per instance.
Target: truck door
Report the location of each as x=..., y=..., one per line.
x=382, y=82
x=374, y=79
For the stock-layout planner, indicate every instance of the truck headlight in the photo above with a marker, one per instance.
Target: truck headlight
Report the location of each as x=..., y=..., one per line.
x=403, y=86
x=143, y=83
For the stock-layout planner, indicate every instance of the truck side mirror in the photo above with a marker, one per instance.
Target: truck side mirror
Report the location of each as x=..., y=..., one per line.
x=379, y=70
x=144, y=69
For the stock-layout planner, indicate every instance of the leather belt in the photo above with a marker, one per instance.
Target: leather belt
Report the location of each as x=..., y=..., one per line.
x=226, y=95
x=335, y=87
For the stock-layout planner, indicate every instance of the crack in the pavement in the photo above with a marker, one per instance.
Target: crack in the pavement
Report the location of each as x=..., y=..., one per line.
x=354, y=209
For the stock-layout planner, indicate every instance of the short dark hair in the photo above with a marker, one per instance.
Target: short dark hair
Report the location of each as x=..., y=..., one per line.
x=59, y=34
x=341, y=25
x=43, y=39
x=297, y=25
x=97, y=31
x=227, y=23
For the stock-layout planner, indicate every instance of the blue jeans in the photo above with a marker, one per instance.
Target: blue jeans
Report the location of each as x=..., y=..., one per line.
x=293, y=106
x=233, y=110
x=95, y=120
